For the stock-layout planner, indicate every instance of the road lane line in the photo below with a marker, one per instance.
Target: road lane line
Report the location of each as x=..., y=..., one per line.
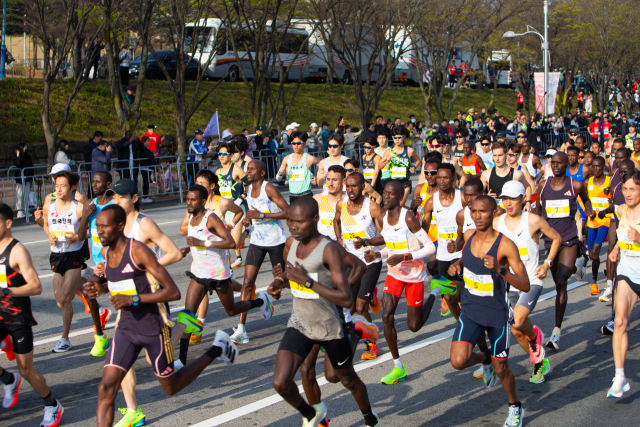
x=273, y=399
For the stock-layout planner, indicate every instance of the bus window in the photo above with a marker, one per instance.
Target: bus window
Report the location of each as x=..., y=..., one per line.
x=294, y=43
x=221, y=43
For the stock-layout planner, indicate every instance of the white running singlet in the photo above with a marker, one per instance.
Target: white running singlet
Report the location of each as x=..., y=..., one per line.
x=266, y=232
x=399, y=241
x=468, y=222
x=528, y=248
x=135, y=234
x=208, y=263
x=62, y=225
x=360, y=225
x=447, y=225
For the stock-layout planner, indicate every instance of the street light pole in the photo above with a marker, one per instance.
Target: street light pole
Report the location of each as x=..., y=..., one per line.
x=3, y=48
x=545, y=50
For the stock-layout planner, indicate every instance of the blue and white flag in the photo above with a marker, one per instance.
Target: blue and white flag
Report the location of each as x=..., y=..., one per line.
x=212, y=128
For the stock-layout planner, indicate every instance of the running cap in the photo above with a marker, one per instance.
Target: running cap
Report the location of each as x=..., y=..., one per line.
x=151, y=127
x=512, y=189
x=325, y=123
x=226, y=134
x=290, y=127
x=123, y=187
x=60, y=167
x=198, y=132
x=294, y=125
x=313, y=125
x=550, y=152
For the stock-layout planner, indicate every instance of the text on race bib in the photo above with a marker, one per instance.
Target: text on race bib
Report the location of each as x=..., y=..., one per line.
x=557, y=208
x=480, y=285
x=123, y=287
x=300, y=291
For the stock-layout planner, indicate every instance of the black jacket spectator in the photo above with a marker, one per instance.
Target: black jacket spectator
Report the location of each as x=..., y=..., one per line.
x=147, y=159
x=123, y=153
x=21, y=161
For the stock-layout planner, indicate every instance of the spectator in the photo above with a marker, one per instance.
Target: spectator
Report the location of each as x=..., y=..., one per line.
x=87, y=150
x=93, y=60
x=324, y=134
x=125, y=57
x=147, y=163
x=22, y=160
x=196, y=150
x=61, y=155
x=154, y=138
x=101, y=158
x=350, y=141
x=259, y=140
x=127, y=151
x=131, y=94
x=313, y=140
x=369, y=132
x=286, y=136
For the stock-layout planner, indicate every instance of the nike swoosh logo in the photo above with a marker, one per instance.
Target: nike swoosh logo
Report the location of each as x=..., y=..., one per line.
x=439, y=211
x=396, y=229
x=468, y=225
x=342, y=363
x=519, y=233
x=530, y=302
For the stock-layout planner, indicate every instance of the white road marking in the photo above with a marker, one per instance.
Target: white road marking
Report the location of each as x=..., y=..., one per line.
x=273, y=399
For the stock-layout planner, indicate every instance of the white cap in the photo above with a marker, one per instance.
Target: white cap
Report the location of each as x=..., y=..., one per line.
x=226, y=133
x=294, y=125
x=512, y=189
x=60, y=167
x=550, y=152
x=289, y=127
x=451, y=122
x=313, y=125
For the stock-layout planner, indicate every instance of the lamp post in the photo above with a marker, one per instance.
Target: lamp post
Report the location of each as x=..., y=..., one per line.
x=3, y=48
x=545, y=49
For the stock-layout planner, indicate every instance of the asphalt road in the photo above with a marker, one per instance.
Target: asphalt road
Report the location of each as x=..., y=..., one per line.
x=242, y=395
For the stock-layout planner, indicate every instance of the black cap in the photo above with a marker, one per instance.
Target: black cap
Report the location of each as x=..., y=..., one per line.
x=482, y=131
x=198, y=132
x=259, y=128
x=151, y=126
x=574, y=131
x=124, y=187
x=325, y=123
x=501, y=135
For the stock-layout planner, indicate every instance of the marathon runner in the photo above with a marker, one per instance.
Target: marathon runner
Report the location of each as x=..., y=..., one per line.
x=355, y=227
x=399, y=161
x=19, y=281
x=140, y=289
x=527, y=158
x=315, y=274
x=483, y=149
x=335, y=144
x=626, y=252
x=461, y=135
x=353, y=166
x=266, y=209
x=486, y=264
x=382, y=149
x=524, y=229
x=558, y=201
x=371, y=163
x=327, y=202
x=421, y=194
x=502, y=173
x=297, y=167
x=513, y=153
x=402, y=235
x=471, y=163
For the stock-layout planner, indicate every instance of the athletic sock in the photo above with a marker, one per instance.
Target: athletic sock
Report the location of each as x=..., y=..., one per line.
x=241, y=328
x=517, y=404
x=595, y=266
x=609, y=284
x=49, y=400
x=359, y=333
x=184, y=349
x=398, y=363
x=435, y=291
x=201, y=321
x=214, y=352
x=620, y=372
x=306, y=410
x=369, y=418
x=256, y=303
x=488, y=355
x=7, y=377
x=556, y=331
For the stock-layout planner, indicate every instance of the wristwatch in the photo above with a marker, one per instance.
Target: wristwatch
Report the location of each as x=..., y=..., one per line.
x=366, y=242
x=502, y=271
x=548, y=261
x=308, y=284
x=261, y=215
x=5, y=291
x=135, y=299
x=408, y=257
x=207, y=243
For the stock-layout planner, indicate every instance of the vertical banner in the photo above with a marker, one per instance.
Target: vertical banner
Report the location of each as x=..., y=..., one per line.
x=539, y=85
x=554, y=79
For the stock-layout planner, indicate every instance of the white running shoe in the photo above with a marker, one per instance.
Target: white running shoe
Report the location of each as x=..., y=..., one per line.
x=321, y=413
x=237, y=263
x=608, y=328
x=606, y=295
x=478, y=373
x=229, y=350
x=146, y=200
x=266, y=308
x=514, y=419
x=619, y=386
x=63, y=346
x=52, y=415
x=554, y=341
x=11, y=392
x=239, y=337
x=580, y=270
x=489, y=375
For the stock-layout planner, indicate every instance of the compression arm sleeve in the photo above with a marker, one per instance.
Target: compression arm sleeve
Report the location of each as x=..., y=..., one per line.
x=384, y=253
x=428, y=249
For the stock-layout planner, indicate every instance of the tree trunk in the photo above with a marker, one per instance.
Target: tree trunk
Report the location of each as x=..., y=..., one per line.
x=49, y=135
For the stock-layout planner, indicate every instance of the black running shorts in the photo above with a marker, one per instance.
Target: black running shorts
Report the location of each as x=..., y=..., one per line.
x=220, y=286
x=257, y=254
x=635, y=287
x=126, y=346
x=65, y=261
x=21, y=336
x=364, y=288
x=470, y=332
x=338, y=350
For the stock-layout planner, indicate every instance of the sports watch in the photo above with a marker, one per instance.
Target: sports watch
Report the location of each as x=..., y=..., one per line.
x=502, y=271
x=6, y=291
x=308, y=284
x=207, y=243
x=408, y=257
x=261, y=215
x=135, y=299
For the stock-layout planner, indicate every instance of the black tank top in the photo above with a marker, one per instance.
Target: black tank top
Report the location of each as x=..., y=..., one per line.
x=457, y=153
x=14, y=311
x=485, y=293
x=615, y=179
x=127, y=278
x=368, y=168
x=559, y=209
x=497, y=182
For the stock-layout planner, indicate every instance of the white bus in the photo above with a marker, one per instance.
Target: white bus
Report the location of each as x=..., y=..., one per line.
x=225, y=59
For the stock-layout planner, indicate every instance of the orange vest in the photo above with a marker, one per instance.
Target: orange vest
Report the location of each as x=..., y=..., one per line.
x=470, y=168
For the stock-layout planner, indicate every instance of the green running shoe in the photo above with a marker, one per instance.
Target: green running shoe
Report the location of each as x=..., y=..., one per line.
x=194, y=326
x=131, y=418
x=396, y=375
x=101, y=346
x=446, y=286
x=539, y=372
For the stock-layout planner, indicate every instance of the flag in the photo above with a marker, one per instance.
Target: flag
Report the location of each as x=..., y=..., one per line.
x=212, y=128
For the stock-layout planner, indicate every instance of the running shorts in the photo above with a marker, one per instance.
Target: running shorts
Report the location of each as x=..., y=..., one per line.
x=574, y=241
x=364, y=288
x=469, y=332
x=21, y=336
x=414, y=291
x=338, y=350
x=443, y=270
x=256, y=255
x=596, y=236
x=635, y=287
x=219, y=286
x=126, y=346
x=65, y=261
x=294, y=197
x=526, y=299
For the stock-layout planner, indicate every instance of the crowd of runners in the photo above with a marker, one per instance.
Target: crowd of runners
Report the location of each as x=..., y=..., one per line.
x=469, y=231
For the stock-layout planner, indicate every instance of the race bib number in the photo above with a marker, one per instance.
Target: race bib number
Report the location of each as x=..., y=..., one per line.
x=397, y=245
x=523, y=250
x=480, y=285
x=630, y=249
x=368, y=173
x=499, y=203
x=95, y=239
x=557, y=208
x=262, y=209
x=225, y=192
x=470, y=170
x=350, y=232
x=301, y=291
x=448, y=233
x=123, y=287
x=3, y=276
x=398, y=172
x=599, y=203
x=327, y=221
x=296, y=175
x=61, y=231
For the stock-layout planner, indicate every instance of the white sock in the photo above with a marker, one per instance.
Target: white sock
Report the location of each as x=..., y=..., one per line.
x=134, y=410
x=398, y=363
x=435, y=291
x=620, y=372
x=556, y=331
x=101, y=311
x=609, y=284
x=241, y=327
x=201, y=320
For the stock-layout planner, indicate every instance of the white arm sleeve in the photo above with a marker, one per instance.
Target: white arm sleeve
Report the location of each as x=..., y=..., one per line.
x=384, y=253
x=428, y=249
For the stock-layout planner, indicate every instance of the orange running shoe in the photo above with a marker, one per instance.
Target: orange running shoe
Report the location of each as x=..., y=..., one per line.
x=86, y=304
x=375, y=304
x=594, y=289
x=8, y=348
x=105, y=315
x=195, y=339
x=369, y=330
x=444, y=308
x=371, y=352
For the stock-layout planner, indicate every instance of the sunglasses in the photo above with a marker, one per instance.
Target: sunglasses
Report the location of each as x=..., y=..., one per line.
x=581, y=157
x=484, y=145
x=512, y=154
x=398, y=137
x=223, y=154
x=334, y=146
x=521, y=137
x=459, y=137
x=367, y=147
x=430, y=173
x=437, y=145
x=349, y=170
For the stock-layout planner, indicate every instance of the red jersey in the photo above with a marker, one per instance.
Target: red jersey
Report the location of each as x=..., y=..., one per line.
x=463, y=68
x=154, y=142
x=452, y=69
x=520, y=98
x=594, y=130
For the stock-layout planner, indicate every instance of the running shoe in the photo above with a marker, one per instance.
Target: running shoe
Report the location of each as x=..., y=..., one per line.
x=619, y=386
x=606, y=295
x=239, y=337
x=395, y=375
x=253, y=293
x=321, y=413
x=105, y=315
x=371, y=351
x=148, y=199
x=444, y=308
x=489, y=376
x=375, y=304
x=594, y=289
x=478, y=373
x=580, y=270
x=177, y=365
x=63, y=346
x=446, y=286
x=516, y=414
x=101, y=346
x=536, y=349
x=608, y=328
x=229, y=350
x=11, y=392
x=87, y=309
x=539, y=371
x=369, y=330
x=52, y=415
x=377, y=424
x=554, y=341
x=7, y=347
x=194, y=326
x=237, y=263
x=195, y=339
x=267, y=307
x=131, y=418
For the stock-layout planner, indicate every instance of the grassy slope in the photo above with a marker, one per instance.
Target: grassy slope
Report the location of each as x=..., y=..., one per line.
x=91, y=110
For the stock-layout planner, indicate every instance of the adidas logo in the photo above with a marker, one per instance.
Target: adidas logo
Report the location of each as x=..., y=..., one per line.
x=568, y=193
x=127, y=269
